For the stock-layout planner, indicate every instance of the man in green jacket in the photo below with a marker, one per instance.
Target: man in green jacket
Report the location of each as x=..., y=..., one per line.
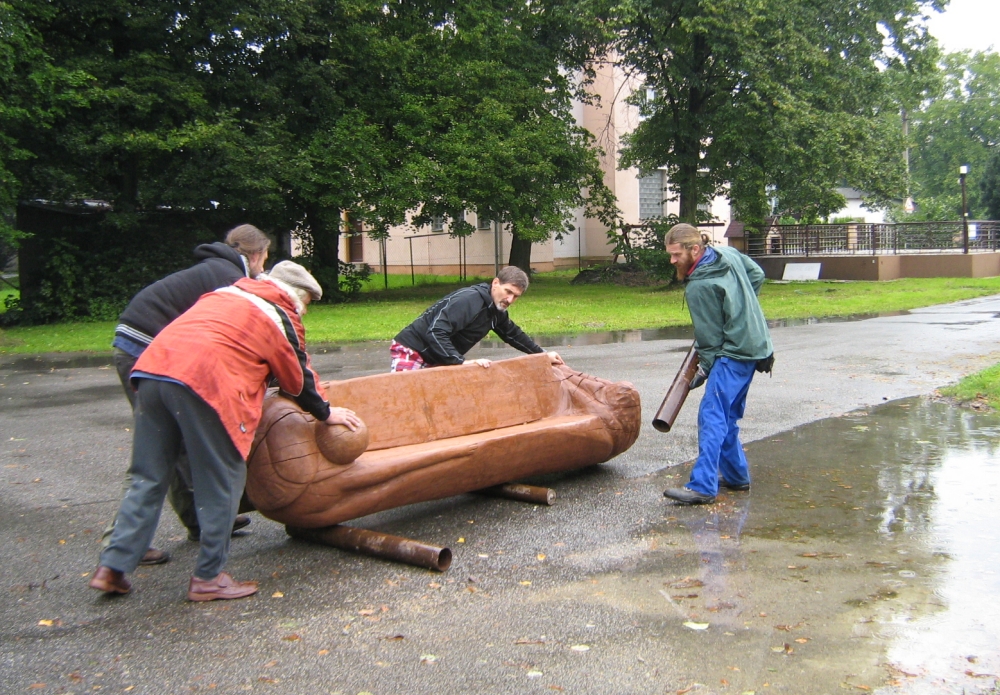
x=732, y=340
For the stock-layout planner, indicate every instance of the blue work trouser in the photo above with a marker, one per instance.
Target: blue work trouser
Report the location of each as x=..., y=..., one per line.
x=167, y=414
x=719, y=447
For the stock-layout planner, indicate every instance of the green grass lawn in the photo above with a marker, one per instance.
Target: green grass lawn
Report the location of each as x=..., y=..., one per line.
x=984, y=385
x=552, y=306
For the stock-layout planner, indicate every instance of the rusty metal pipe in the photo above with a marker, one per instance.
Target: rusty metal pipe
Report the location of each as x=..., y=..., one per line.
x=522, y=493
x=382, y=545
x=677, y=393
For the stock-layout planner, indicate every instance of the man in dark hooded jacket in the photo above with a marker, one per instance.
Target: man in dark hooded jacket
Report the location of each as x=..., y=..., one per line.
x=220, y=264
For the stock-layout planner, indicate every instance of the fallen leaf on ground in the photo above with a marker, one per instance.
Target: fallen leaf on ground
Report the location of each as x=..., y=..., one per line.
x=695, y=626
x=277, y=594
x=580, y=648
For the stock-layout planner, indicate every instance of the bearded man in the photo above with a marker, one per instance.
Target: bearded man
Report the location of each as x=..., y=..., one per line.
x=733, y=341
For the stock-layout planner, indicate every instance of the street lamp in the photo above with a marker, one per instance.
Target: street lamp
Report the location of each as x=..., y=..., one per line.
x=962, y=171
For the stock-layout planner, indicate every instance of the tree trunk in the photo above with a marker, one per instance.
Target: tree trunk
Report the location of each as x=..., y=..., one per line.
x=325, y=228
x=689, y=194
x=520, y=252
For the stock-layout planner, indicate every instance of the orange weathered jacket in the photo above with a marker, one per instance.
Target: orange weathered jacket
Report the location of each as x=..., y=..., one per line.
x=226, y=347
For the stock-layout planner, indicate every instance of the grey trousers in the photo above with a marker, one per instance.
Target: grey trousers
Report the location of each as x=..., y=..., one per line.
x=168, y=415
x=181, y=491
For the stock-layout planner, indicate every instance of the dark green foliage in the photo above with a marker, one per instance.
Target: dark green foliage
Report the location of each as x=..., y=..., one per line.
x=989, y=187
x=957, y=126
x=78, y=264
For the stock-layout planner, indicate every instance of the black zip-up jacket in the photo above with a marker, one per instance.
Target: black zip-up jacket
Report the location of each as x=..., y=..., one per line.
x=452, y=326
x=158, y=304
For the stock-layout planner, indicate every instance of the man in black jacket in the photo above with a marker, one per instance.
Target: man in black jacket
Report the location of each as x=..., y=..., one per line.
x=219, y=265
x=451, y=327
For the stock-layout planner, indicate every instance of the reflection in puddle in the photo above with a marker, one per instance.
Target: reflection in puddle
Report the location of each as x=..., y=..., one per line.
x=911, y=489
x=865, y=558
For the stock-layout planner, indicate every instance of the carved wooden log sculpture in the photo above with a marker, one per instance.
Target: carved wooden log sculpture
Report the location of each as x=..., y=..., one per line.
x=432, y=434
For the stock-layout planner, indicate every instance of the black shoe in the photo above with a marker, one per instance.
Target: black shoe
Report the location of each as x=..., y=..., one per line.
x=686, y=496
x=242, y=521
x=742, y=487
x=155, y=557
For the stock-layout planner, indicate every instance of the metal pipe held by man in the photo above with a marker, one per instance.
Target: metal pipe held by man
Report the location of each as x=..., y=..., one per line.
x=677, y=393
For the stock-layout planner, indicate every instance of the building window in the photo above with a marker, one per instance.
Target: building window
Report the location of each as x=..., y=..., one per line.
x=437, y=223
x=483, y=223
x=651, y=195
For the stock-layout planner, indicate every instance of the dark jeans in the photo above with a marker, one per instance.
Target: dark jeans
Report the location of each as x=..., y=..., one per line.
x=168, y=415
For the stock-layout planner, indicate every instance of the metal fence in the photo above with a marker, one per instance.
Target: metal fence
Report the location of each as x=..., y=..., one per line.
x=873, y=239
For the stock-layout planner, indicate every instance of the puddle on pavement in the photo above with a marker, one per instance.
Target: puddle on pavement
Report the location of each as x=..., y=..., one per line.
x=865, y=558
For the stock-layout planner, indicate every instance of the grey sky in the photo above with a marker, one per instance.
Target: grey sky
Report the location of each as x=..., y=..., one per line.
x=967, y=24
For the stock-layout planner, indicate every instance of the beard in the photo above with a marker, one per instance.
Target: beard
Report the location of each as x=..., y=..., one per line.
x=684, y=265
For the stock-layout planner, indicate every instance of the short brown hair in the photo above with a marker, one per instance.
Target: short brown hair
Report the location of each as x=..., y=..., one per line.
x=247, y=239
x=512, y=275
x=686, y=235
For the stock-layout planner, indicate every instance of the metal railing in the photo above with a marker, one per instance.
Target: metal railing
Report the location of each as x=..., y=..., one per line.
x=874, y=239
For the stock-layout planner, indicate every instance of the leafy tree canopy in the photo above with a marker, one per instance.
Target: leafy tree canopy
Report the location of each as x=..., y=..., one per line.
x=773, y=95
x=959, y=125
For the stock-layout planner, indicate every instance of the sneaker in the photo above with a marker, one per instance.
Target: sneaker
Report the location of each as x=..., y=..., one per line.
x=740, y=487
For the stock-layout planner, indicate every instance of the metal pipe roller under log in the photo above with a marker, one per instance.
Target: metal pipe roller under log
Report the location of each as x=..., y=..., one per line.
x=383, y=545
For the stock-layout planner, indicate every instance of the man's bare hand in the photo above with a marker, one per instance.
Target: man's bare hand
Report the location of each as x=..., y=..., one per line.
x=554, y=358
x=343, y=416
x=481, y=363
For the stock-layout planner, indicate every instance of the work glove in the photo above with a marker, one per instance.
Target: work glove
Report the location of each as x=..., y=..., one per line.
x=699, y=378
x=766, y=364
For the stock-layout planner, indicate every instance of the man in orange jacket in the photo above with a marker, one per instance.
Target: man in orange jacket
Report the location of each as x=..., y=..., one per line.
x=202, y=382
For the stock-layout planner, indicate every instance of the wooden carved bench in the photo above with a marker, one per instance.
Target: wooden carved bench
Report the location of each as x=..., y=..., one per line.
x=434, y=433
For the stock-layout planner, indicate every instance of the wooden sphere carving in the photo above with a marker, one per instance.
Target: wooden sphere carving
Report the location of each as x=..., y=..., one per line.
x=340, y=445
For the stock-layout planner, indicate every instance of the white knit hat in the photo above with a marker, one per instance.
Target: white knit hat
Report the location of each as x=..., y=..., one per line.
x=297, y=276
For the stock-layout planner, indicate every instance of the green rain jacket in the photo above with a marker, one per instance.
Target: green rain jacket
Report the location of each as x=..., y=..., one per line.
x=722, y=299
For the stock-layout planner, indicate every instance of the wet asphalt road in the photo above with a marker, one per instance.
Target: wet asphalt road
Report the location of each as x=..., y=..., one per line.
x=862, y=549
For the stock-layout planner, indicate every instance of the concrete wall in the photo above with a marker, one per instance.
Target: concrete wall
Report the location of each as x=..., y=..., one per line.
x=973, y=265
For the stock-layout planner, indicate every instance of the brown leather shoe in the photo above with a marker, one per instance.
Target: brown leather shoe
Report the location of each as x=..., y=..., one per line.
x=222, y=587
x=155, y=557
x=110, y=581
